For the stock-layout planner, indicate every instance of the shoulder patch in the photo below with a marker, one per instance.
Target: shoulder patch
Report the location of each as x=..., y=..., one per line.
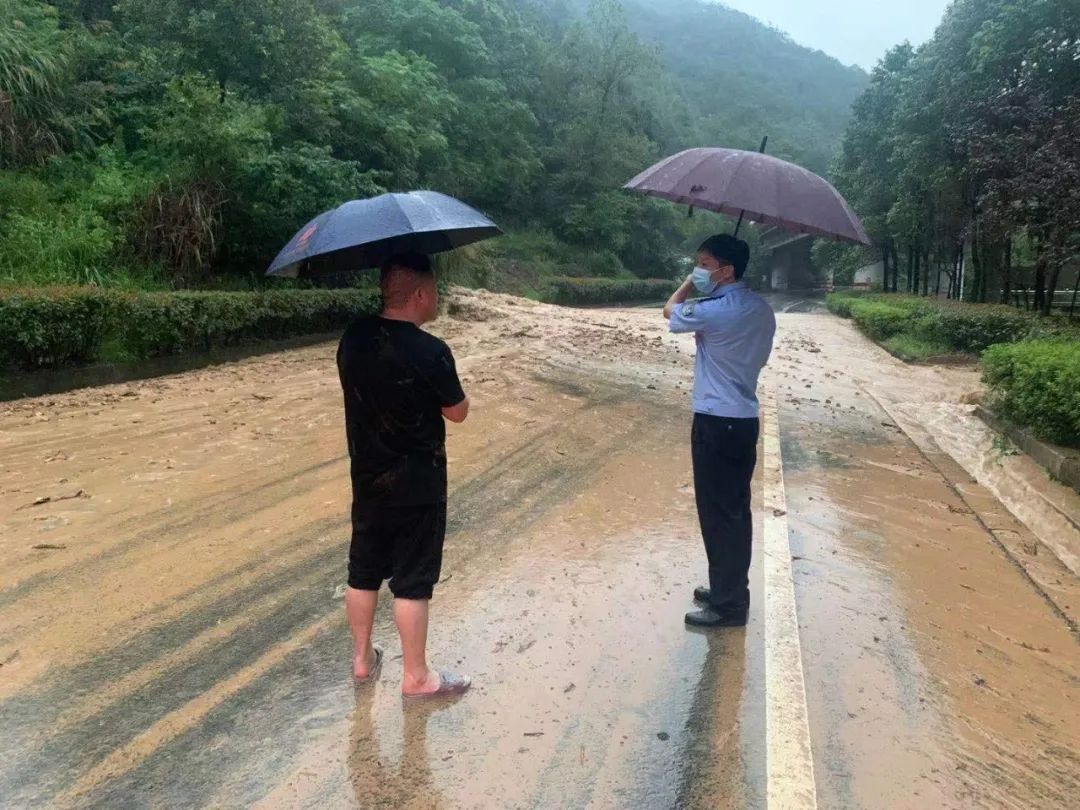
x=688, y=309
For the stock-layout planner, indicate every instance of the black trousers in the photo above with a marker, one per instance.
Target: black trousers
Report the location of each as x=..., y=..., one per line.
x=725, y=454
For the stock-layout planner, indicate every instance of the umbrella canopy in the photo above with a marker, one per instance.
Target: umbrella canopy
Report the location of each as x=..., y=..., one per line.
x=767, y=189
x=365, y=233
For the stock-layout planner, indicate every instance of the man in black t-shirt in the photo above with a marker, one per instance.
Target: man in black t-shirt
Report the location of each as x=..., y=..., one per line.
x=400, y=383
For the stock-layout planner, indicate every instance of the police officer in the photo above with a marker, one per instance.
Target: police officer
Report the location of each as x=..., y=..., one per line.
x=734, y=329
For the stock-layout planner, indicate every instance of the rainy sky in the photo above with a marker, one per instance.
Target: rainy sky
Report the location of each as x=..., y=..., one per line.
x=854, y=31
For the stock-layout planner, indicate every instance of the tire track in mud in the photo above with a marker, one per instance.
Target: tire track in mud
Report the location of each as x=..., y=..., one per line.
x=38, y=760
x=42, y=756
x=313, y=684
x=203, y=515
x=185, y=748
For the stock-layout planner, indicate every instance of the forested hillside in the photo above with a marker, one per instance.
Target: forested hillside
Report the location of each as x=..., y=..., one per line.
x=173, y=143
x=743, y=80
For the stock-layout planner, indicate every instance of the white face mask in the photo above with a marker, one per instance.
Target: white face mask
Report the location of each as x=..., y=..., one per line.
x=702, y=278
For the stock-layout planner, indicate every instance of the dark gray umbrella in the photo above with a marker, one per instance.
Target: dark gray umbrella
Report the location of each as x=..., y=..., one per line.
x=365, y=233
x=765, y=188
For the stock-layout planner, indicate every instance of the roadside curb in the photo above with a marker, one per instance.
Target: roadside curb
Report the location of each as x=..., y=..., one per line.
x=1061, y=463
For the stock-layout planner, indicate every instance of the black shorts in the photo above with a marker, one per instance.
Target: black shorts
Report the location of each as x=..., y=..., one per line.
x=403, y=544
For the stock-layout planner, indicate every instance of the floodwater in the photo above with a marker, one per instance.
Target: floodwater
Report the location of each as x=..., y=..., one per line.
x=172, y=555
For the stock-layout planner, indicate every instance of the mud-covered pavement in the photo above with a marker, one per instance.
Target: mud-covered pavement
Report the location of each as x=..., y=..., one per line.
x=172, y=564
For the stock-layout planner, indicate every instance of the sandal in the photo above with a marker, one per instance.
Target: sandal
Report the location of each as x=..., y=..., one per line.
x=449, y=684
x=376, y=668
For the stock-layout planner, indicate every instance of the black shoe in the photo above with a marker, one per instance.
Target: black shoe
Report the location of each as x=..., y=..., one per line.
x=704, y=596
x=710, y=618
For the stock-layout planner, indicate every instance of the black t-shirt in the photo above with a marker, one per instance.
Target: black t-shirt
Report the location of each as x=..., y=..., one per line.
x=396, y=379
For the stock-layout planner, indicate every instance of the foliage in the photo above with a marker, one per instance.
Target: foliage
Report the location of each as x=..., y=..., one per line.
x=44, y=108
x=975, y=327
x=880, y=320
x=594, y=291
x=912, y=349
x=1037, y=384
x=965, y=149
x=968, y=328
x=219, y=127
x=745, y=80
x=42, y=327
x=263, y=45
x=840, y=304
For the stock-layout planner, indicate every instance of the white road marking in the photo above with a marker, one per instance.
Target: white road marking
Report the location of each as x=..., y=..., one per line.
x=790, y=761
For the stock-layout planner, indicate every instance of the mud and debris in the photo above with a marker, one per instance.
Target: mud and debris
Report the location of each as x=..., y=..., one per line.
x=182, y=642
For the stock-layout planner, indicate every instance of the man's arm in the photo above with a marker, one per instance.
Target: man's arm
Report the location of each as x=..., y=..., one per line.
x=679, y=297
x=444, y=379
x=457, y=413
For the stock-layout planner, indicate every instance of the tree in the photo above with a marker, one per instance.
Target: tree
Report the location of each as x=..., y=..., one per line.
x=43, y=109
x=266, y=46
x=867, y=171
x=219, y=126
x=969, y=142
x=1025, y=147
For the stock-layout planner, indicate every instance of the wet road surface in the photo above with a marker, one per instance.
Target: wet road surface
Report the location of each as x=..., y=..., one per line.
x=171, y=627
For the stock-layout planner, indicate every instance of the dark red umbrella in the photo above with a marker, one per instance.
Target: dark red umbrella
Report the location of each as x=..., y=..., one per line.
x=765, y=188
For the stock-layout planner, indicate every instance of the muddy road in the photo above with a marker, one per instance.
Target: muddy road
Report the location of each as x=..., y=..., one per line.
x=172, y=558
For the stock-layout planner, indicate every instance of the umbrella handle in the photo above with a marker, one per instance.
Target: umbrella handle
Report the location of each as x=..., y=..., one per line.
x=761, y=149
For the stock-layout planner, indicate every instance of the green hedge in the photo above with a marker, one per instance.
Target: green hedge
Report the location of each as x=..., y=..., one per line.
x=42, y=328
x=962, y=327
x=1037, y=384
x=879, y=320
x=50, y=328
x=586, y=291
x=974, y=327
x=841, y=304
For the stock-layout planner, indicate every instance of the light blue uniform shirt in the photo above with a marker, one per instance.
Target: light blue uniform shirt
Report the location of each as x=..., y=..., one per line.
x=734, y=330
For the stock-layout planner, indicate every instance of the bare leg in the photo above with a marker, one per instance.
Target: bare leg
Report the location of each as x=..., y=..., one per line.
x=411, y=617
x=360, y=608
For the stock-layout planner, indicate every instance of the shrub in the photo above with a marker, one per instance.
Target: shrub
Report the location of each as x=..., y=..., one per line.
x=41, y=329
x=69, y=247
x=912, y=349
x=65, y=226
x=974, y=327
x=961, y=327
x=528, y=245
x=602, y=264
x=593, y=291
x=1037, y=384
x=881, y=321
x=840, y=303
x=1056, y=328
